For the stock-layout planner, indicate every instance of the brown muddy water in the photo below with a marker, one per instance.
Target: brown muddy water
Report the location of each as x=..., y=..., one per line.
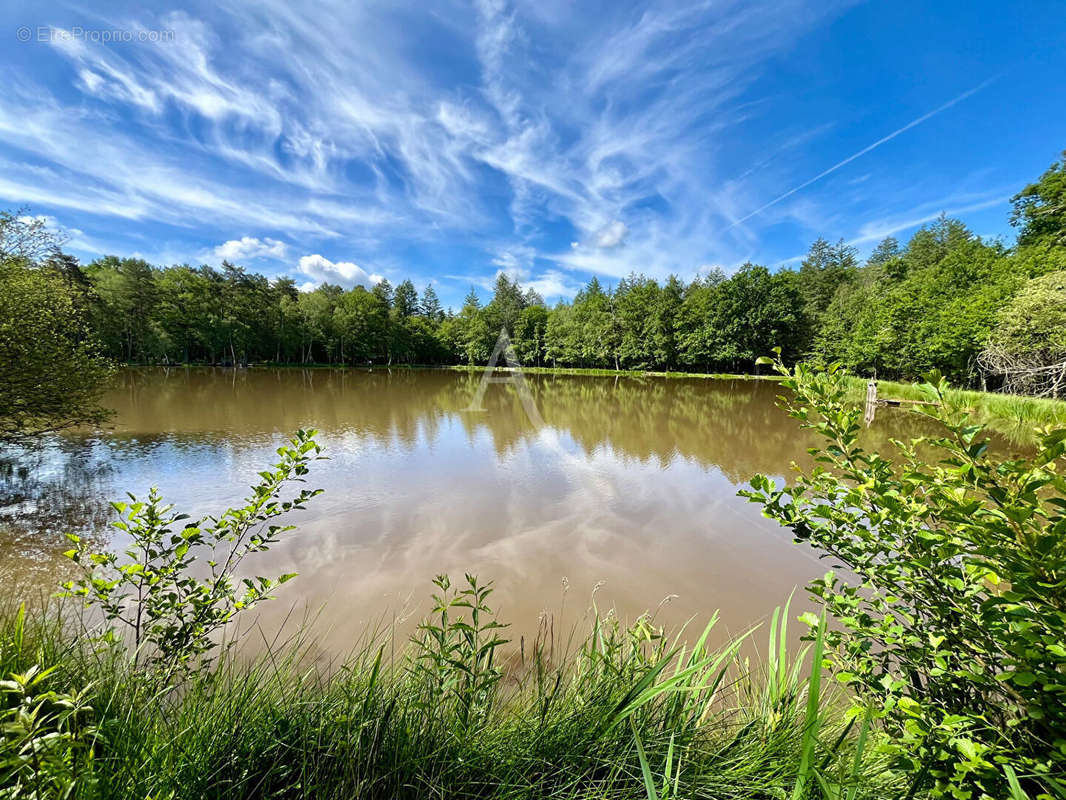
x=628, y=492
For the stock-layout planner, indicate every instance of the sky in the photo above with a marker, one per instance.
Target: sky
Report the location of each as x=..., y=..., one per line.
x=551, y=140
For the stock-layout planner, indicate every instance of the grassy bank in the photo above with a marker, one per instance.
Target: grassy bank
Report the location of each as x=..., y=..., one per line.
x=629, y=373
x=619, y=713
x=1014, y=415
x=590, y=371
x=1003, y=411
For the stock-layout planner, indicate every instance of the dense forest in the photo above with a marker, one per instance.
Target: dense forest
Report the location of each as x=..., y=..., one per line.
x=978, y=310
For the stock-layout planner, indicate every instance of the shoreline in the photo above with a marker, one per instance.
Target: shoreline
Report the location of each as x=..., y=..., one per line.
x=992, y=407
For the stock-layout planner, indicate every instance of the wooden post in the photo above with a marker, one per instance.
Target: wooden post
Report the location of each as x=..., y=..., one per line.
x=871, y=401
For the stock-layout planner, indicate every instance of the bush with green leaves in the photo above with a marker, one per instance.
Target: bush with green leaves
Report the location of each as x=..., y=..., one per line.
x=950, y=615
x=46, y=738
x=151, y=592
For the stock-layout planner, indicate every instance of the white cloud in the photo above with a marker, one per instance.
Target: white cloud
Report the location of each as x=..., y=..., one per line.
x=612, y=235
x=249, y=247
x=877, y=230
x=321, y=270
x=515, y=260
x=572, y=124
x=553, y=284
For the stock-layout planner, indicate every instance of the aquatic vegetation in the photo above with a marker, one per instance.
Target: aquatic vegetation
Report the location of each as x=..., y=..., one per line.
x=447, y=718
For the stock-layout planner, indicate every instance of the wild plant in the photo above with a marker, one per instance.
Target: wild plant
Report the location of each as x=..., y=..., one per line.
x=46, y=738
x=150, y=591
x=456, y=650
x=953, y=627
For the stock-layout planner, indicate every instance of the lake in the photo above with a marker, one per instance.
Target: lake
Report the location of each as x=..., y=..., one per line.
x=628, y=492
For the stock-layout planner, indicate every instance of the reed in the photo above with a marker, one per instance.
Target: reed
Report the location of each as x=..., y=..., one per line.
x=624, y=712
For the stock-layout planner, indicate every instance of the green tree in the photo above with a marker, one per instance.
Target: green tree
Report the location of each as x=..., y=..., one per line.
x=361, y=321
x=405, y=300
x=886, y=250
x=530, y=334
x=1027, y=346
x=182, y=309
x=562, y=338
x=1040, y=208
x=26, y=238
x=930, y=306
x=430, y=307
x=662, y=323
x=317, y=316
x=825, y=268
x=506, y=304
x=287, y=332
x=473, y=337
x=127, y=294
x=695, y=332
x=52, y=375
x=634, y=299
x=728, y=324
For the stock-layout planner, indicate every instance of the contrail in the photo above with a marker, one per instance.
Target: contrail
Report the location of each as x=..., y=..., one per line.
x=866, y=150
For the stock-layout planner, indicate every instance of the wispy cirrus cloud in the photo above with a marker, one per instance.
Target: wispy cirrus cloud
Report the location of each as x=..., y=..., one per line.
x=876, y=230
x=458, y=140
x=840, y=164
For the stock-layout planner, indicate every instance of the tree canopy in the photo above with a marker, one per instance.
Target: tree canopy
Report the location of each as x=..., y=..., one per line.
x=933, y=301
x=1040, y=208
x=51, y=373
x=1027, y=346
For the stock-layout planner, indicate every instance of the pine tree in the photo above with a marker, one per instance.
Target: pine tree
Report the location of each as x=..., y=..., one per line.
x=430, y=306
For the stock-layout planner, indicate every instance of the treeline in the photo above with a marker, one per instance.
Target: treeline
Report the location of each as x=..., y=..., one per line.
x=938, y=301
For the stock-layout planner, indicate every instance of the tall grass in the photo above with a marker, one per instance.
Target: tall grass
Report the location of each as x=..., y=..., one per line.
x=1010, y=414
x=624, y=712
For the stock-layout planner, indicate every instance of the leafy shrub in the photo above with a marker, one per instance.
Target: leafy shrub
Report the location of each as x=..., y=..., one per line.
x=46, y=738
x=952, y=624
x=170, y=614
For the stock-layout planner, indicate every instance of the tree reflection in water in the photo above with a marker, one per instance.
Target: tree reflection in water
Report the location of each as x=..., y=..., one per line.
x=59, y=487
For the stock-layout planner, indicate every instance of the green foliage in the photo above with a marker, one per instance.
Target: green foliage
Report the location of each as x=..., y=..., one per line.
x=152, y=591
x=1035, y=320
x=1027, y=346
x=456, y=656
x=929, y=307
x=952, y=627
x=46, y=738
x=1040, y=208
x=51, y=373
x=26, y=238
x=749, y=313
x=823, y=271
x=563, y=721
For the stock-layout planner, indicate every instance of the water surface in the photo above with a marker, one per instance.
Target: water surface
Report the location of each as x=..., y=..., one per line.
x=629, y=490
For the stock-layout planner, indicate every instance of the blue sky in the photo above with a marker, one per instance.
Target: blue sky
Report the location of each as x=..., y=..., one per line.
x=552, y=140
